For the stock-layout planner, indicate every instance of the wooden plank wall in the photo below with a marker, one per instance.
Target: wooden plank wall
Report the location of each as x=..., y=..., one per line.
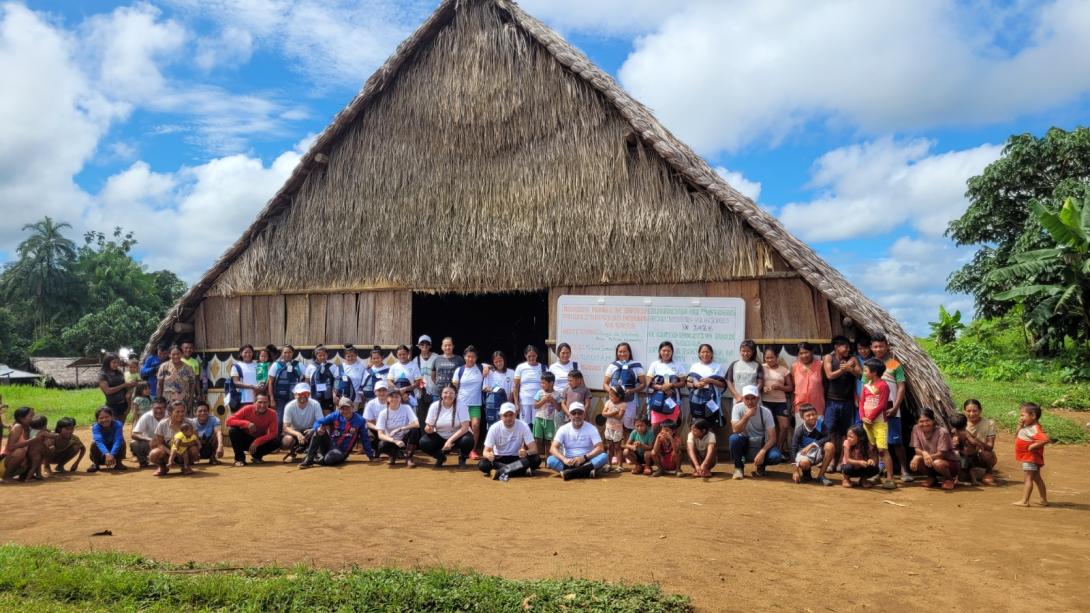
x=383, y=317
x=775, y=308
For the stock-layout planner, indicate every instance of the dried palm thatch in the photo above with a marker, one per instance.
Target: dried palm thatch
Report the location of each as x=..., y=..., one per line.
x=488, y=154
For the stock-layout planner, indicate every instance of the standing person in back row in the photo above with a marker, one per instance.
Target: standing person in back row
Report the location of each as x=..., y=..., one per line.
x=427, y=363
x=745, y=371
x=895, y=378
x=200, y=383
x=284, y=374
x=527, y=384
x=629, y=374
x=561, y=368
x=112, y=383
x=809, y=380
x=468, y=379
x=176, y=380
x=443, y=367
x=322, y=375
x=842, y=370
x=150, y=369
x=666, y=377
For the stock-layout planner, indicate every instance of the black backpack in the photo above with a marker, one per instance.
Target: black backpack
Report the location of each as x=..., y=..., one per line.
x=323, y=374
x=230, y=392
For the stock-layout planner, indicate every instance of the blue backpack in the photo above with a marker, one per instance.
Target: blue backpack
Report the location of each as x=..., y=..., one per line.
x=493, y=400
x=323, y=374
x=230, y=392
x=370, y=378
x=625, y=376
x=285, y=380
x=657, y=400
x=698, y=403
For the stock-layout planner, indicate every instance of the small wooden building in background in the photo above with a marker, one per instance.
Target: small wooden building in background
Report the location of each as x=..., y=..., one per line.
x=485, y=169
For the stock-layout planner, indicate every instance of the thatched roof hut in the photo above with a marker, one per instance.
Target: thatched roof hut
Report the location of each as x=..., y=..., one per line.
x=488, y=158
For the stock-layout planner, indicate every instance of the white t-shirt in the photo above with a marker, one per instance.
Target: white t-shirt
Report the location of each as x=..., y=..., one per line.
x=577, y=442
x=302, y=418
x=508, y=441
x=708, y=370
x=469, y=380
x=561, y=372
x=145, y=426
x=757, y=425
x=426, y=368
x=666, y=370
x=408, y=371
x=388, y=420
x=249, y=377
x=354, y=372
x=372, y=409
x=529, y=383
x=505, y=380
x=446, y=420
x=701, y=444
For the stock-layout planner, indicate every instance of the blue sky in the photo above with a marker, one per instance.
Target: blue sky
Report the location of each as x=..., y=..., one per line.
x=856, y=123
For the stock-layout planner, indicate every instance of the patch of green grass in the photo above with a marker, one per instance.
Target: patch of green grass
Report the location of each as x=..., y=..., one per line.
x=53, y=403
x=40, y=578
x=1001, y=402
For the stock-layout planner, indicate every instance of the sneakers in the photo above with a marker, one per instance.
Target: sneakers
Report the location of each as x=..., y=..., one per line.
x=505, y=477
x=529, y=472
x=565, y=475
x=907, y=478
x=594, y=473
x=760, y=472
x=306, y=464
x=889, y=485
x=825, y=481
x=657, y=472
x=738, y=474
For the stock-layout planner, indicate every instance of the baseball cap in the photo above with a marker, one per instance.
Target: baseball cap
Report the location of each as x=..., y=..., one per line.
x=750, y=390
x=382, y=385
x=301, y=388
x=424, y=338
x=345, y=402
x=576, y=406
x=507, y=407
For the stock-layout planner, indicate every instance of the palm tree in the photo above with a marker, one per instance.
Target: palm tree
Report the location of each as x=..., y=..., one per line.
x=43, y=272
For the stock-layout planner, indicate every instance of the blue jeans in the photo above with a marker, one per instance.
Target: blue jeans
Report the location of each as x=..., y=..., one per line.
x=598, y=461
x=740, y=445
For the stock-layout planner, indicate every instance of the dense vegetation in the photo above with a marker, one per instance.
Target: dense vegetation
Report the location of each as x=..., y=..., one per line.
x=62, y=299
x=38, y=578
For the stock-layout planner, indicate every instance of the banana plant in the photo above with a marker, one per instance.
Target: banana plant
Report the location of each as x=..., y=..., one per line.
x=946, y=329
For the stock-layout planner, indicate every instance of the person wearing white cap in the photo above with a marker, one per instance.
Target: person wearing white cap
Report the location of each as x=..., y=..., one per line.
x=298, y=421
x=334, y=436
x=577, y=447
x=509, y=447
x=753, y=434
x=371, y=411
x=426, y=363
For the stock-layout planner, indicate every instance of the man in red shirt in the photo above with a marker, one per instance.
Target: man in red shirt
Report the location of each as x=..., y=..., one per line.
x=253, y=429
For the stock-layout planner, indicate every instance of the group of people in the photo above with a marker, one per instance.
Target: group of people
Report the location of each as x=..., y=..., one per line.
x=840, y=413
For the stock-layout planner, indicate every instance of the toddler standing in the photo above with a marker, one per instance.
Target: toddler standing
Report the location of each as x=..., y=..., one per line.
x=1029, y=449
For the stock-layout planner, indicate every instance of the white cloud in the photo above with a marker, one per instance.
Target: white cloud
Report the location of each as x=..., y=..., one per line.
x=230, y=47
x=723, y=75
x=129, y=45
x=611, y=17
x=875, y=187
x=332, y=42
x=749, y=189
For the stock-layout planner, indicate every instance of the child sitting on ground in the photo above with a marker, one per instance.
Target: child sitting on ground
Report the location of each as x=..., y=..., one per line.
x=639, y=446
x=811, y=446
x=66, y=446
x=41, y=440
x=613, y=411
x=664, y=453
x=184, y=440
x=857, y=459
x=1029, y=449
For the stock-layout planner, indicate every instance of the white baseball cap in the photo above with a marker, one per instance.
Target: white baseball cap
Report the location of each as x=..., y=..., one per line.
x=750, y=390
x=576, y=406
x=345, y=402
x=507, y=407
x=381, y=385
x=301, y=388
x=424, y=338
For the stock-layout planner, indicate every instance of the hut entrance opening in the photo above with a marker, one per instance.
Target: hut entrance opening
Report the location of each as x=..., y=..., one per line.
x=503, y=321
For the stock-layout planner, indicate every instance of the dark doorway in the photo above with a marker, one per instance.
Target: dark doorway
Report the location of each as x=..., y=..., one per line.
x=507, y=322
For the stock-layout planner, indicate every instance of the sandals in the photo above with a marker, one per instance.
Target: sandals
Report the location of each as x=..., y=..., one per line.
x=948, y=484
x=240, y=464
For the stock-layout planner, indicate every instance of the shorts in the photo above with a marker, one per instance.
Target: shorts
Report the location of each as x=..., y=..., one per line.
x=474, y=411
x=613, y=436
x=815, y=456
x=839, y=415
x=1031, y=466
x=779, y=409
x=894, y=435
x=878, y=434
x=544, y=428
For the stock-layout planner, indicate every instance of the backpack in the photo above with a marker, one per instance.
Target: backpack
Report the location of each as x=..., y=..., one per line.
x=625, y=376
x=493, y=400
x=345, y=389
x=370, y=378
x=657, y=400
x=230, y=392
x=286, y=378
x=323, y=375
x=698, y=403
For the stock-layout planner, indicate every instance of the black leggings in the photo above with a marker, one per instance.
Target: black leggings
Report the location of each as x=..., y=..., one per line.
x=321, y=444
x=241, y=441
x=97, y=457
x=432, y=444
x=864, y=472
x=510, y=464
x=412, y=438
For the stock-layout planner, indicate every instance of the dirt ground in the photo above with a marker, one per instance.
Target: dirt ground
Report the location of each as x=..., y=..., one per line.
x=757, y=544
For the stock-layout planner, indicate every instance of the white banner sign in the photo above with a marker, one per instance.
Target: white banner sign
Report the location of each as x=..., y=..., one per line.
x=593, y=325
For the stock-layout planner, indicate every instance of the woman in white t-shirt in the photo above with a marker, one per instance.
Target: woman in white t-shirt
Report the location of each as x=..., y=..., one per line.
x=353, y=368
x=499, y=377
x=244, y=375
x=447, y=428
x=668, y=376
x=745, y=371
x=629, y=374
x=527, y=383
x=562, y=366
x=404, y=374
x=398, y=430
x=468, y=379
x=706, y=381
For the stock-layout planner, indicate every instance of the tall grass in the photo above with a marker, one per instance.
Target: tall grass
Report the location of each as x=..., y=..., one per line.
x=39, y=578
x=53, y=403
x=1001, y=402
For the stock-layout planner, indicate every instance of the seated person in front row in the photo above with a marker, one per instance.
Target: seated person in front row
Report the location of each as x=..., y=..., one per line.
x=701, y=446
x=208, y=430
x=638, y=449
x=811, y=446
x=976, y=441
x=754, y=434
x=509, y=447
x=858, y=460
x=664, y=455
x=935, y=454
x=334, y=436
x=577, y=449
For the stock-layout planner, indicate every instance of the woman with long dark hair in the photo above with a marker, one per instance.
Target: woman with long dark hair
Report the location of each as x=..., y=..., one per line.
x=114, y=387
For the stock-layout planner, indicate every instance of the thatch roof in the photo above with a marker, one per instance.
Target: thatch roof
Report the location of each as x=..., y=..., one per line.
x=488, y=154
x=61, y=372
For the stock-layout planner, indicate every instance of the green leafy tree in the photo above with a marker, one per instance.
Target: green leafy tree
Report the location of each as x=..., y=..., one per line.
x=41, y=279
x=946, y=329
x=118, y=325
x=1032, y=170
x=13, y=347
x=1061, y=305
